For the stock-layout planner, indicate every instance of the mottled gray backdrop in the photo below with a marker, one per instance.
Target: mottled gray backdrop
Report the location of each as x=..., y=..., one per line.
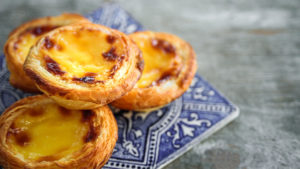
x=248, y=49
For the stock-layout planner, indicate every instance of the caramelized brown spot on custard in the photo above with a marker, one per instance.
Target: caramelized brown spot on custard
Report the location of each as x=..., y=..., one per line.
x=49, y=44
x=110, y=55
x=53, y=67
x=120, y=59
x=22, y=138
x=87, y=115
x=169, y=74
x=91, y=134
x=35, y=112
x=140, y=64
x=163, y=45
x=47, y=158
x=164, y=77
x=113, y=70
x=183, y=80
x=16, y=44
x=116, y=67
x=90, y=74
x=63, y=111
x=87, y=79
x=110, y=39
x=39, y=30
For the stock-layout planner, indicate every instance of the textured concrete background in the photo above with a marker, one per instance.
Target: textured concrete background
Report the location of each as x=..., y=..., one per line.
x=248, y=49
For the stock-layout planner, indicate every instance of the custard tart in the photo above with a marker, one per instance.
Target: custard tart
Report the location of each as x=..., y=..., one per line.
x=170, y=66
x=85, y=65
x=37, y=133
x=22, y=38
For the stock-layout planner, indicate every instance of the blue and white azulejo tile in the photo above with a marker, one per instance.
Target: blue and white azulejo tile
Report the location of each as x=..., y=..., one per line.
x=153, y=139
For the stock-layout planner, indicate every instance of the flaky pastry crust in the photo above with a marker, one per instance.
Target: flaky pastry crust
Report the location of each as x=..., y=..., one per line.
x=172, y=83
x=94, y=154
x=17, y=46
x=115, y=70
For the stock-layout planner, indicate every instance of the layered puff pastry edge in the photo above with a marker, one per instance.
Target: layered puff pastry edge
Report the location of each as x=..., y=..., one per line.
x=36, y=133
x=23, y=37
x=170, y=66
x=85, y=65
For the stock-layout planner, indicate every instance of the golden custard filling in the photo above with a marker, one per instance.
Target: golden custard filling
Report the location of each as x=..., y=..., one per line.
x=85, y=55
x=48, y=132
x=161, y=60
x=28, y=38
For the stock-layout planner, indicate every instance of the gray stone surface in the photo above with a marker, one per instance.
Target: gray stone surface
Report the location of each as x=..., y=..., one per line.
x=249, y=50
